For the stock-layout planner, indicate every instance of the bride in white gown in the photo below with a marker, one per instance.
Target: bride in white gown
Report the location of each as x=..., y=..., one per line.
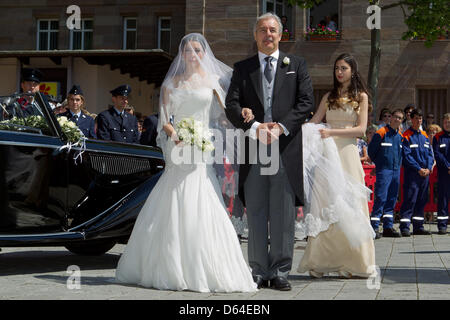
x=183, y=238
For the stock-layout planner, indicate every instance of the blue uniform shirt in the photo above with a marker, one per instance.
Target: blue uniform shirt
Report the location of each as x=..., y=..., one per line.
x=417, y=153
x=84, y=122
x=441, y=147
x=385, y=149
x=115, y=126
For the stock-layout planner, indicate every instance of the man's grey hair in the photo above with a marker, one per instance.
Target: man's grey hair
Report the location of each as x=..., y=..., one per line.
x=269, y=15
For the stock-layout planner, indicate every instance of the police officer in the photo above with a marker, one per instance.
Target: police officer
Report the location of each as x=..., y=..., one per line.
x=385, y=150
x=76, y=102
x=441, y=147
x=417, y=162
x=30, y=81
x=115, y=124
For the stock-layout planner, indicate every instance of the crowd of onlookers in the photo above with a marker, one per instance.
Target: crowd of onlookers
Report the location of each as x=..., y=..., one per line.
x=428, y=125
x=405, y=138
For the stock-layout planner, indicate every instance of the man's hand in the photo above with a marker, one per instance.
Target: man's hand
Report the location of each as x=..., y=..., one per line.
x=277, y=130
x=247, y=114
x=424, y=172
x=265, y=134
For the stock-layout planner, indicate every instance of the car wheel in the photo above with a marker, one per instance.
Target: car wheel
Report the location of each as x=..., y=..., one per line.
x=91, y=248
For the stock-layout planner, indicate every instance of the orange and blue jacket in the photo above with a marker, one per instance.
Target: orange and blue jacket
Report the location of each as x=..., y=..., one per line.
x=416, y=150
x=385, y=149
x=441, y=148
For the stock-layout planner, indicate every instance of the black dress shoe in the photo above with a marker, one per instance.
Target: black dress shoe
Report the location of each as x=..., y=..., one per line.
x=442, y=231
x=260, y=282
x=391, y=233
x=405, y=233
x=280, y=283
x=421, y=232
x=377, y=234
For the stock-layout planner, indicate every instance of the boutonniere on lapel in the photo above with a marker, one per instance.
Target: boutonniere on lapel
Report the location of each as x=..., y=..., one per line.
x=286, y=61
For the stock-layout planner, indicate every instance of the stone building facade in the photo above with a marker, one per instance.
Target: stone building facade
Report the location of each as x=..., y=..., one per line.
x=26, y=24
x=409, y=72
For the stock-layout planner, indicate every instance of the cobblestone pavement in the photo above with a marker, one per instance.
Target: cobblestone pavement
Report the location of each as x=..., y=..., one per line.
x=415, y=268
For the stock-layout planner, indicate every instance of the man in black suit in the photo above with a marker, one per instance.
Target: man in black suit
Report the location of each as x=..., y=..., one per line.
x=115, y=124
x=150, y=126
x=278, y=90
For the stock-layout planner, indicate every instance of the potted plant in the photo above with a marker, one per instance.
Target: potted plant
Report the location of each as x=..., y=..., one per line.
x=285, y=36
x=321, y=33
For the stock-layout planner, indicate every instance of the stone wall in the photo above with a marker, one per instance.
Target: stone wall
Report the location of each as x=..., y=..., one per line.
x=228, y=24
x=405, y=66
x=18, y=21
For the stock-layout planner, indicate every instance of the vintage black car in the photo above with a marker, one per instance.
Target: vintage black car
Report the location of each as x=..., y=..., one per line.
x=52, y=194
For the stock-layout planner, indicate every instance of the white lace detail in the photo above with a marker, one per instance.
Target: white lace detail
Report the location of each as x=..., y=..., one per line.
x=331, y=195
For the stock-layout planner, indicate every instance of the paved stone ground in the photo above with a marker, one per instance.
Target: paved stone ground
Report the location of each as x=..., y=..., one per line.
x=415, y=268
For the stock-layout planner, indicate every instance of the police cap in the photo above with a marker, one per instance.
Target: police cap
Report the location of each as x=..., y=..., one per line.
x=76, y=89
x=123, y=90
x=29, y=74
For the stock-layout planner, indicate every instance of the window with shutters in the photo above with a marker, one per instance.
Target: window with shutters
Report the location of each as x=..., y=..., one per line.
x=434, y=101
x=47, y=34
x=164, y=31
x=130, y=33
x=82, y=39
x=283, y=9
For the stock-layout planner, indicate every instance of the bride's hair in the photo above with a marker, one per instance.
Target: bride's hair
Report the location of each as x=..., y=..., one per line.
x=209, y=73
x=355, y=88
x=193, y=37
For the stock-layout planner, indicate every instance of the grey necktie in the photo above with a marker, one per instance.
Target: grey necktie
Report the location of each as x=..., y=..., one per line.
x=75, y=116
x=268, y=69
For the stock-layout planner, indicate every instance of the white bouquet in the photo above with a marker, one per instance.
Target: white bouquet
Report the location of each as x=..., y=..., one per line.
x=75, y=137
x=17, y=124
x=71, y=130
x=192, y=132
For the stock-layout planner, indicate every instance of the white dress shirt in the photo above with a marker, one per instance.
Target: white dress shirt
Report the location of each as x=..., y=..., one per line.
x=262, y=62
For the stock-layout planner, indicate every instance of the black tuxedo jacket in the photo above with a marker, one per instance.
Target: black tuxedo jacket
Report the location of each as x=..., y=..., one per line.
x=292, y=103
x=111, y=126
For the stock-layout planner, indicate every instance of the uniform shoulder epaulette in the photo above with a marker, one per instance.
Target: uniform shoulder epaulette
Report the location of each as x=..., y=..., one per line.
x=382, y=131
x=424, y=133
x=407, y=134
x=439, y=134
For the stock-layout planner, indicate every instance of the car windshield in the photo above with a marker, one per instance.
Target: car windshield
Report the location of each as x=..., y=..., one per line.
x=23, y=112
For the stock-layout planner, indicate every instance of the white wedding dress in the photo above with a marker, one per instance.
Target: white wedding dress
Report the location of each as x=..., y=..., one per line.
x=183, y=238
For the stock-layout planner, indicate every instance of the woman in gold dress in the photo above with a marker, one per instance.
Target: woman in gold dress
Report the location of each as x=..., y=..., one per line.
x=341, y=246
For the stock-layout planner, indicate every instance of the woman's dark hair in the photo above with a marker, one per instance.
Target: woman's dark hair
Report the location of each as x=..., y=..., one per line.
x=383, y=112
x=193, y=37
x=355, y=88
x=408, y=107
